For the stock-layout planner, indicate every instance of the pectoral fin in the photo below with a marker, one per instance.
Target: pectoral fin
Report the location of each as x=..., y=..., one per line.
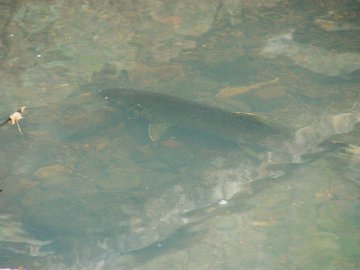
x=156, y=130
x=249, y=116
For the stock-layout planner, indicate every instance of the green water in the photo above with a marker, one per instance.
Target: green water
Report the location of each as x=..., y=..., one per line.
x=84, y=187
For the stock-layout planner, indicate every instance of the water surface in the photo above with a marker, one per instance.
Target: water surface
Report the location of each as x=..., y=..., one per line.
x=85, y=188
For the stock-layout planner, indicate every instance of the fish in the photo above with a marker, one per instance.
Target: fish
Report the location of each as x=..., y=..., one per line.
x=164, y=111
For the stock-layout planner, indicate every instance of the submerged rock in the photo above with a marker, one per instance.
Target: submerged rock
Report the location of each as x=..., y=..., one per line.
x=316, y=59
x=14, y=238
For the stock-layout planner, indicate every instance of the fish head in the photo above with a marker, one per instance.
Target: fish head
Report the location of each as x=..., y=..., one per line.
x=124, y=97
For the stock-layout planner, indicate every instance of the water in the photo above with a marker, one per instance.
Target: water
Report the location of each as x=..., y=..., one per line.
x=85, y=188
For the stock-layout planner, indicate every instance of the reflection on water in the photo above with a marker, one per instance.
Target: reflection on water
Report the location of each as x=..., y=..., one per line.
x=85, y=187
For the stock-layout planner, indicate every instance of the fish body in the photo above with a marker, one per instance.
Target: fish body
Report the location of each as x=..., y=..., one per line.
x=243, y=128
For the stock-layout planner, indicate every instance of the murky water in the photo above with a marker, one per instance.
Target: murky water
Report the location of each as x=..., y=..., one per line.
x=86, y=186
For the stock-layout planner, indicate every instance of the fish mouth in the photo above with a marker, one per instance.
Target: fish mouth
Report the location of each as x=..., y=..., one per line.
x=102, y=93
